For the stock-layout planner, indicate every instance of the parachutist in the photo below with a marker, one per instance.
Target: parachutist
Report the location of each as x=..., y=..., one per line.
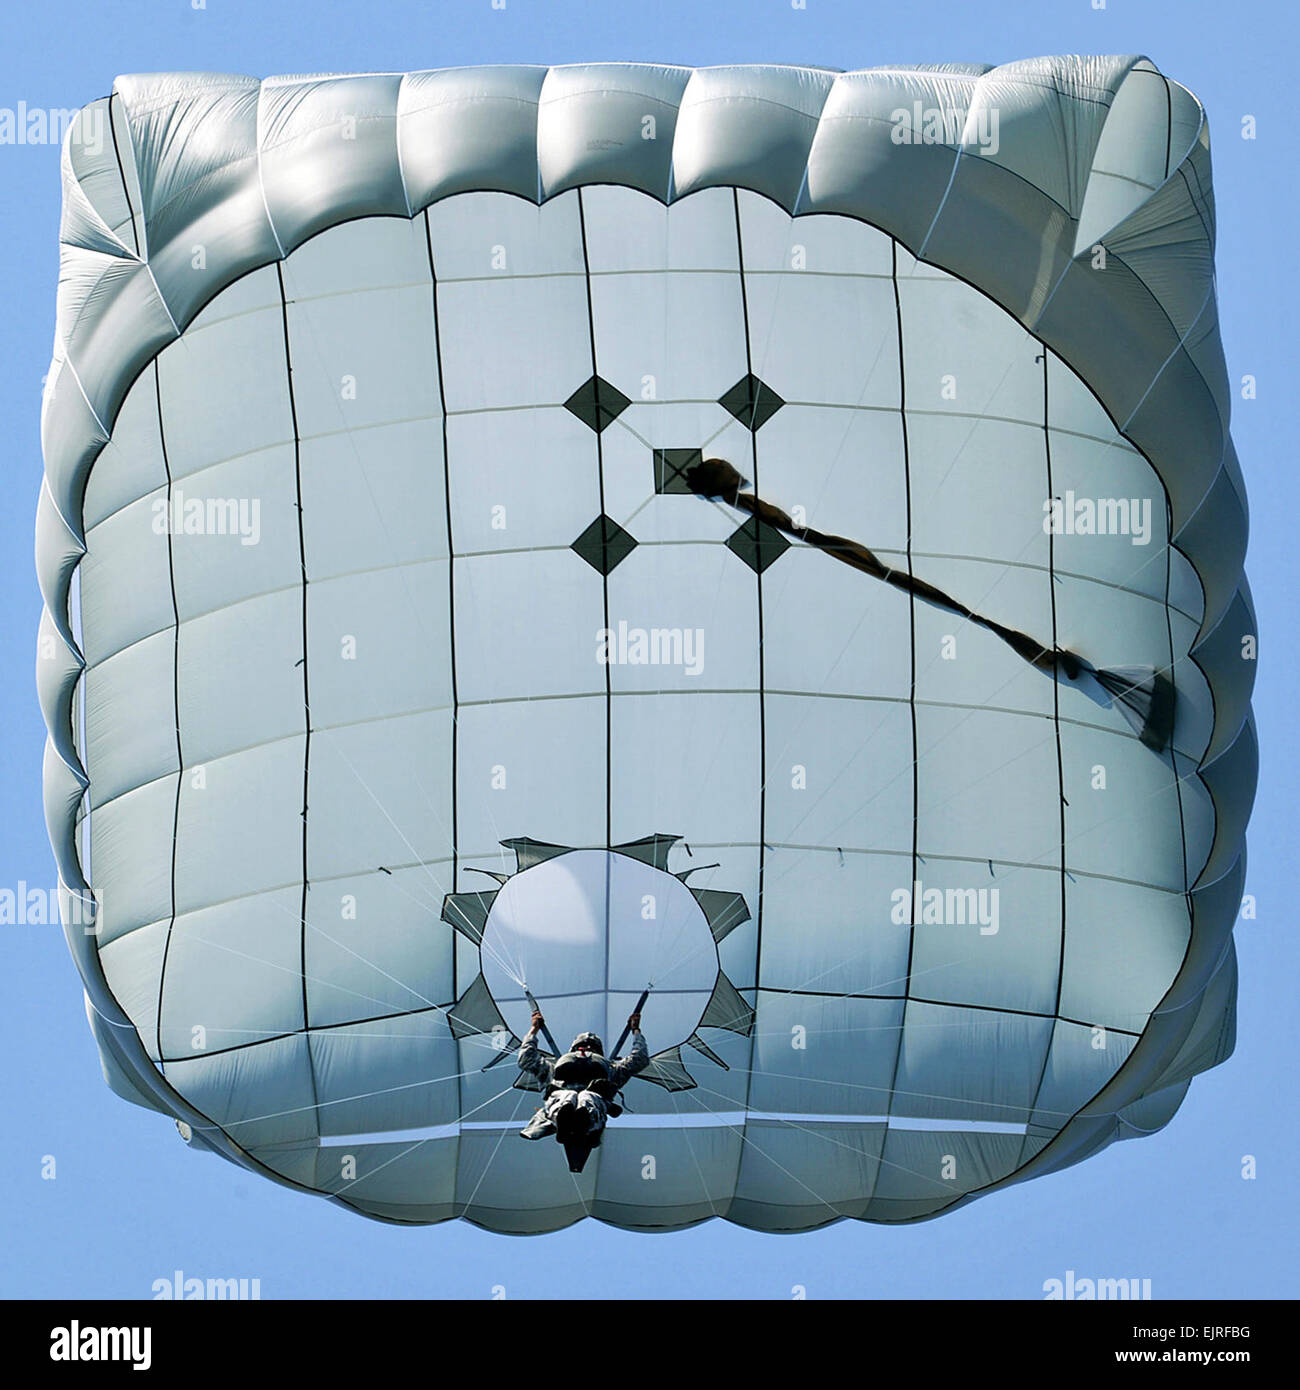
x=580, y=1088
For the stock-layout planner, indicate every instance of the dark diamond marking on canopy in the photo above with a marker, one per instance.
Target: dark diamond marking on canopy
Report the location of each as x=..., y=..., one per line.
x=758, y=544
x=596, y=403
x=671, y=466
x=604, y=544
x=752, y=402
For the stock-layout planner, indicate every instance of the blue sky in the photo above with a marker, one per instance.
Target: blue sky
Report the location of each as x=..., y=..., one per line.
x=130, y=1204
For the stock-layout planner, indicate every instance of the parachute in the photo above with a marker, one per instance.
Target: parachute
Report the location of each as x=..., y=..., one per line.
x=397, y=664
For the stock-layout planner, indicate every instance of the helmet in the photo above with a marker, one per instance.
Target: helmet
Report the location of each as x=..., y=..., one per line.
x=588, y=1042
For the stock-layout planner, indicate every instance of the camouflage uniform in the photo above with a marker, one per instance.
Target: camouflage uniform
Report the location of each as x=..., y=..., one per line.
x=583, y=1081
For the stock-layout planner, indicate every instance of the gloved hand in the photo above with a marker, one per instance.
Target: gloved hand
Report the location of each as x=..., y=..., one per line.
x=634, y=1022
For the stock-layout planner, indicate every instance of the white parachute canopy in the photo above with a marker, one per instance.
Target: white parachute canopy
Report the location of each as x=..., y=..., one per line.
x=407, y=653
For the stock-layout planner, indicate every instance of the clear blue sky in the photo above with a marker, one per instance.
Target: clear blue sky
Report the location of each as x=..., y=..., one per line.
x=131, y=1203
